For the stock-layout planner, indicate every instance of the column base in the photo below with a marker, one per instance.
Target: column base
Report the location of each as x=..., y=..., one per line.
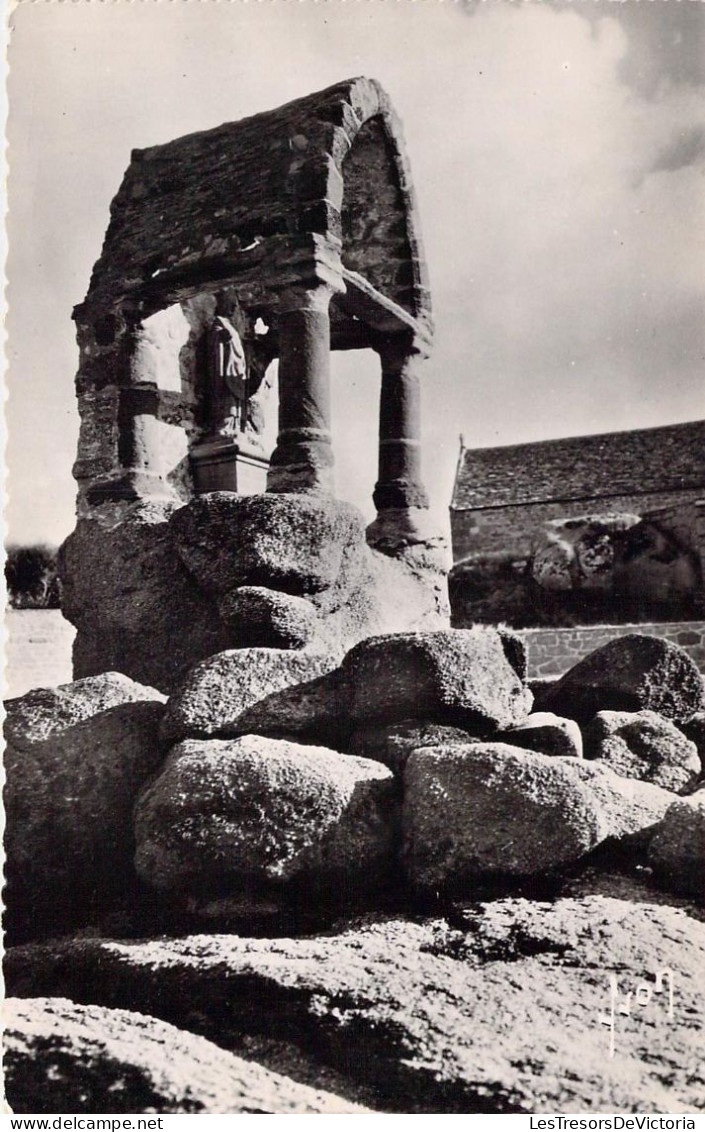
x=400, y=528
x=297, y=479
x=402, y=494
x=302, y=462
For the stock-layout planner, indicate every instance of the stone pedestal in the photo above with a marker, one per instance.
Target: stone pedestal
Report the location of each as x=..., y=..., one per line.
x=228, y=466
x=303, y=457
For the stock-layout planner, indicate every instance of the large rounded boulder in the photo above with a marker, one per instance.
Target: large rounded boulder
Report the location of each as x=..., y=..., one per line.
x=644, y=745
x=492, y=811
x=256, y=814
x=466, y=678
x=76, y=758
x=631, y=673
x=220, y=694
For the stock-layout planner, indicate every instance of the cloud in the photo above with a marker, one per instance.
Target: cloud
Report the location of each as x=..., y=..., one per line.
x=549, y=145
x=665, y=40
x=686, y=148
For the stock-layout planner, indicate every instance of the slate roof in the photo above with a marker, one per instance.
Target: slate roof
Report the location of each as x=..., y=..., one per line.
x=640, y=462
x=271, y=190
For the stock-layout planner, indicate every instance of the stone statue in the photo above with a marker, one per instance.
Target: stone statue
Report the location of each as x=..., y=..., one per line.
x=228, y=377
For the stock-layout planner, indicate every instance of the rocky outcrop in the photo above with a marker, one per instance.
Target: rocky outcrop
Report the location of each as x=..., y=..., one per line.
x=489, y=810
x=134, y=605
x=306, y=545
x=225, y=817
x=504, y=1006
x=217, y=694
x=154, y=587
x=644, y=745
x=632, y=673
x=546, y=733
x=460, y=677
x=677, y=849
x=62, y=1057
x=76, y=759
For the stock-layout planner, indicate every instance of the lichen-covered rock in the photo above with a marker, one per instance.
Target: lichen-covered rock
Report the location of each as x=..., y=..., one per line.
x=301, y=544
x=677, y=849
x=491, y=810
x=497, y=1009
x=216, y=694
x=74, y=766
x=151, y=603
x=260, y=616
x=643, y=745
x=631, y=673
x=546, y=733
x=63, y=1057
x=135, y=607
x=393, y=743
x=515, y=651
x=694, y=729
x=254, y=812
x=461, y=677
x=631, y=808
x=46, y=711
x=314, y=711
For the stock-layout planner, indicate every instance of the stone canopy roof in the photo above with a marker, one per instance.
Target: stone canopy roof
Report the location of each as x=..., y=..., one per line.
x=293, y=195
x=644, y=461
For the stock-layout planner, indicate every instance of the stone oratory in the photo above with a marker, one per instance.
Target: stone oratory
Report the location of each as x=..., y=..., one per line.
x=302, y=218
x=281, y=236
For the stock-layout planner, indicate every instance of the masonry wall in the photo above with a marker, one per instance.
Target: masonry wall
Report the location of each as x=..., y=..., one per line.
x=510, y=529
x=551, y=652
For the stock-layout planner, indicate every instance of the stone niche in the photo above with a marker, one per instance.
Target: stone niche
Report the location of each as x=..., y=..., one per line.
x=282, y=236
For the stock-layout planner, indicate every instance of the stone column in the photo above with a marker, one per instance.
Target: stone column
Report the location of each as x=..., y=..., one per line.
x=400, y=497
x=303, y=457
x=131, y=440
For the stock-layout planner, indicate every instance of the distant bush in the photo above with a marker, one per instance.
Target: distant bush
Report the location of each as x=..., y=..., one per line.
x=32, y=577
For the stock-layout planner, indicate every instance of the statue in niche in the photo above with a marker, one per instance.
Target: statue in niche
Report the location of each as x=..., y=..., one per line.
x=227, y=368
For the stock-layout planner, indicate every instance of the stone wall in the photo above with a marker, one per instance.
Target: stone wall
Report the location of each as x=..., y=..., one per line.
x=512, y=529
x=551, y=652
x=502, y=495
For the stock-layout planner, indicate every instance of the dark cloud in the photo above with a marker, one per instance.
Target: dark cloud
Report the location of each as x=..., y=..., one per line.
x=666, y=42
x=685, y=149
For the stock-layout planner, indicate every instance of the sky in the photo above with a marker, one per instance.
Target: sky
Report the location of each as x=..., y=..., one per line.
x=557, y=149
